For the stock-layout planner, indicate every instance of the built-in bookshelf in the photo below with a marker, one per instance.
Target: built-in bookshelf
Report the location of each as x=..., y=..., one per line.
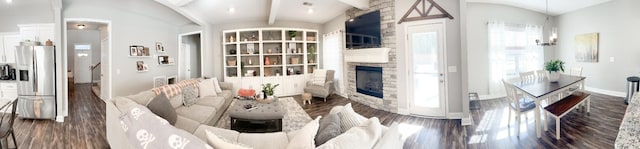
x=270, y=54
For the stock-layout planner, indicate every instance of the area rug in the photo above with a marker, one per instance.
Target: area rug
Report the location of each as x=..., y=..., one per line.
x=294, y=118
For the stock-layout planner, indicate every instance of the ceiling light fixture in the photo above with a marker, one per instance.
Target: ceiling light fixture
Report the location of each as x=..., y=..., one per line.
x=310, y=5
x=9, y=1
x=553, y=32
x=80, y=26
x=232, y=10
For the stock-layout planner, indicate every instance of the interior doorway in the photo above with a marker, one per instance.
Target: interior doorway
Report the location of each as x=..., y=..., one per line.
x=190, y=55
x=87, y=45
x=426, y=63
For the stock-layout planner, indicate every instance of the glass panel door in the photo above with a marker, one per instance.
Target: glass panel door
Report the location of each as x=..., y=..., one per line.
x=427, y=76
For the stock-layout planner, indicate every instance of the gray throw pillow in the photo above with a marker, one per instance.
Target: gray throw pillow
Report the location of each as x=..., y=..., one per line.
x=161, y=106
x=190, y=96
x=143, y=129
x=329, y=129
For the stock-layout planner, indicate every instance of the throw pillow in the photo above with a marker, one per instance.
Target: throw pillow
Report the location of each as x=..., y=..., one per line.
x=146, y=130
x=190, y=96
x=304, y=137
x=216, y=84
x=390, y=139
x=349, y=118
x=319, y=77
x=363, y=136
x=218, y=142
x=207, y=88
x=161, y=106
x=329, y=128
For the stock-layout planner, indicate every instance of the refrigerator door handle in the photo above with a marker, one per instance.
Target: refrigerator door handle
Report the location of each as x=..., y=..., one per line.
x=35, y=71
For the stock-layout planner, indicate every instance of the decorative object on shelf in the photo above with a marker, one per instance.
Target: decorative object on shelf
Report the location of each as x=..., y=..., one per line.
x=311, y=38
x=299, y=50
x=232, y=39
x=48, y=42
x=278, y=50
x=587, y=47
x=163, y=60
x=251, y=48
x=298, y=72
x=255, y=73
x=269, y=51
x=553, y=66
x=553, y=32
x=295, y=60
x=138, y=51
x=141, y=67
x=277, y=72
x=311, y=49
x=159, y=47
x=159, y=81
x=232, y=51
x=293, y=35
x=266, y=61
x=254, y=37
x=289, y=71
x=250, y=63
x=268, y=90
x=249, y=73
x=310, y=70
x=311, y=60
x=231, y=62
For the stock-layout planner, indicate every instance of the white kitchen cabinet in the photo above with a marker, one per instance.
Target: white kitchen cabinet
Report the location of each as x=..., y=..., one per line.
x=8, y=92
x=36, y=32
x=8, y=43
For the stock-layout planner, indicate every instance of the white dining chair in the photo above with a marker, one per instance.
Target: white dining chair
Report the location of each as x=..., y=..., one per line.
x=527, y=76
x=517, y=103
x=541, y=74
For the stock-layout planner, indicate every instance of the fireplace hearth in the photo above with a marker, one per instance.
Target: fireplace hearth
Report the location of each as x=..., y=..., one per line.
x=369, y=81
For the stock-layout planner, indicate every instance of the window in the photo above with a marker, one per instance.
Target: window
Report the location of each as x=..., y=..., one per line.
x=82, y=46
x=512, y=49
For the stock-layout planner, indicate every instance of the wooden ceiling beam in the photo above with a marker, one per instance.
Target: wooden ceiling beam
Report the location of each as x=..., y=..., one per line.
x=273, y=11
x=424, y=12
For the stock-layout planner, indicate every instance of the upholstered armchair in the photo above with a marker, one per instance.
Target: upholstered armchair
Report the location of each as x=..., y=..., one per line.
x=321, y=91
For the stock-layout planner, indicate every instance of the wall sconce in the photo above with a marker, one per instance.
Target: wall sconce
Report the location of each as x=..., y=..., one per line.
x=80, y=26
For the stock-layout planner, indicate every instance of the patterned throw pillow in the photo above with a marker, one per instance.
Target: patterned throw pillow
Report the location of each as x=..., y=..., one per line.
x=169, y=90
x=144, y=130
x=190, y=96
x=349, y=118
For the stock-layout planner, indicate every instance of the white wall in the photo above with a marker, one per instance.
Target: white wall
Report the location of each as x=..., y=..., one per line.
x=132, y=27
x=456, y=97
x=194, y=52
x=213, y=55
x=477, y=38
x=618, y=23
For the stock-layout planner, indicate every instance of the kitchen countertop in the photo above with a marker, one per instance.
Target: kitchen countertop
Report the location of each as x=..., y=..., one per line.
x=630, y=127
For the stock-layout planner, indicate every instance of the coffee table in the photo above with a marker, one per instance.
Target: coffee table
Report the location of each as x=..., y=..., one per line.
x=266, y=117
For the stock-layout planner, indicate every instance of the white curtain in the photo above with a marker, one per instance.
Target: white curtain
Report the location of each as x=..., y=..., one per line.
x=512, y=49
x=332, y=57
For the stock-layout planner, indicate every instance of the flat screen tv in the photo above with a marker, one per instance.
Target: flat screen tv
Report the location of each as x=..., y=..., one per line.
x=363, y=31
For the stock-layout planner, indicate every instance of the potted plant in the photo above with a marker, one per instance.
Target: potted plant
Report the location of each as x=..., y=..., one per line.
x=553, y=66
x=293, y=34
x=267, y=90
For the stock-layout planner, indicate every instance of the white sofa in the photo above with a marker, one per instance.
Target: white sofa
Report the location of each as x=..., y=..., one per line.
x=278, y=140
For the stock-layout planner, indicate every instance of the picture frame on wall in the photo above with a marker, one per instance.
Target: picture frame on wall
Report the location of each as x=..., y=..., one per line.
x=160, y=47
x=160, y=81
x=163, y=60
x=138, y=51
x=133, y=50
x=141, y=66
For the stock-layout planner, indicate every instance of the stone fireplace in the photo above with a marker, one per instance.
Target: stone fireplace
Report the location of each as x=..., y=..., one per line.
x=388, y=100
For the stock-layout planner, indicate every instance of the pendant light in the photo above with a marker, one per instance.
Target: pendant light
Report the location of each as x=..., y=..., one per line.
x=553, y=32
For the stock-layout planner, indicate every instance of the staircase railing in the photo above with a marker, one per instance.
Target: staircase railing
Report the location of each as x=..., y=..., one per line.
x=93, y=73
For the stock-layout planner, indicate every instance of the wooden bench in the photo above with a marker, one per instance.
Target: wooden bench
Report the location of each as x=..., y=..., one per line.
x=565, y=105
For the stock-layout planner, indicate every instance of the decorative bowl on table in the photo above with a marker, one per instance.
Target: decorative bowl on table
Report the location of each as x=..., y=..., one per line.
x=269, y=99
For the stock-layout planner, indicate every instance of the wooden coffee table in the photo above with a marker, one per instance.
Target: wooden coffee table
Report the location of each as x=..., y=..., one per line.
x=266, y=117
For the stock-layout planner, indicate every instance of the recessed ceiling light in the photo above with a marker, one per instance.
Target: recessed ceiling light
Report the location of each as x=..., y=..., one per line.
x=232, y=10
x=9, y=1
x=310, y=10
x=80, y=26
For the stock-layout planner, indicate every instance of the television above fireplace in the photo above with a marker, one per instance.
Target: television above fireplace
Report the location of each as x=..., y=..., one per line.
x=363, y=31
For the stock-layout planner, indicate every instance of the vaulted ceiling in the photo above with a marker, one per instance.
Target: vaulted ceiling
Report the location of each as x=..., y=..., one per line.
x=556, y=7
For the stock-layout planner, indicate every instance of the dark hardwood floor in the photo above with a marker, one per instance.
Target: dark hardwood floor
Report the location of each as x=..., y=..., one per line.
x=84, y=128
x=578, y=130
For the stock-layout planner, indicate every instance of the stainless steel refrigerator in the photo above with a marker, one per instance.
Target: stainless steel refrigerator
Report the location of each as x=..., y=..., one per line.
x=36, y=82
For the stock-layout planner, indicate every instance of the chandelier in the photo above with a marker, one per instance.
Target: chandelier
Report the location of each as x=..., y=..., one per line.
x=553, y=32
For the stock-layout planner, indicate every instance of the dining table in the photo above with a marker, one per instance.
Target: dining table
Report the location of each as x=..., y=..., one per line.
x=542, y=88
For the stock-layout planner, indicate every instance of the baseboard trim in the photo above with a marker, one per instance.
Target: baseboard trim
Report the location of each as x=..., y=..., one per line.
x=467, y=121
x=457, y=115
x=606, y=92
x=60, y=119
x=488, y=97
